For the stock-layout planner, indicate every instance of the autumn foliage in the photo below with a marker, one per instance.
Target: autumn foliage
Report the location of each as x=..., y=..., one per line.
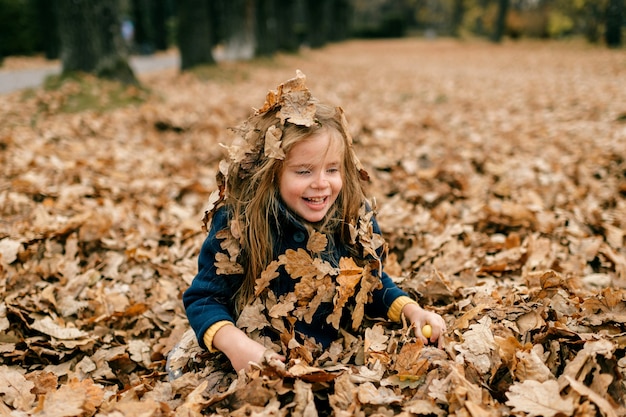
x=499, y=173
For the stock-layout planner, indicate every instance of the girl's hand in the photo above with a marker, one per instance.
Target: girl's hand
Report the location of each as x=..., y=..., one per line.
x=419, y=317
x=239, y=348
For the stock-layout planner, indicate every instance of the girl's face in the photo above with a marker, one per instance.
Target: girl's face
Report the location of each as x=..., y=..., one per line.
x=311, y=177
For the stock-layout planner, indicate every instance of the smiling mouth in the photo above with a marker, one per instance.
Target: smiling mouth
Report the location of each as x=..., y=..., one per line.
x=315, y=200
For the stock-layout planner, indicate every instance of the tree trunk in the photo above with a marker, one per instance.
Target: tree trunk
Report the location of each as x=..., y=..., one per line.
x=287, y=39
x=458, y=12
x=317, y=22
x=614, y=22
x=194, y=34
x=503, y=9
x=340, y=18
x=150, y=29
x=47, y=21
x=266, y=28
x=91, y=39
x=159, y=18
x=238, y=29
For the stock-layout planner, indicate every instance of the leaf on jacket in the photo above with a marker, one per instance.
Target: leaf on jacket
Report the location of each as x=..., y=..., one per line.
x=228, y=242
x=369, y=283
x=252, y=316
x=284, y=306
x=298, y=264
x=350, y=275
x=324, y=294
x=224, y=265
x=266, y=277
x=317, y=242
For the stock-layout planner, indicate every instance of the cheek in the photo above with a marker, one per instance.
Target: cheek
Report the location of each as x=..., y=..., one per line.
x=337, y=185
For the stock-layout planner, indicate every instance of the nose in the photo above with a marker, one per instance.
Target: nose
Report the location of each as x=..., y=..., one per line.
x=320, y=181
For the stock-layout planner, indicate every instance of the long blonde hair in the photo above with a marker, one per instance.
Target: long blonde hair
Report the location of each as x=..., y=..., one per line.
x=252, y=194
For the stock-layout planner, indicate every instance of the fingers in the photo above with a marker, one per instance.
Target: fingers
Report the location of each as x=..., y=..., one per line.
x=433, y=331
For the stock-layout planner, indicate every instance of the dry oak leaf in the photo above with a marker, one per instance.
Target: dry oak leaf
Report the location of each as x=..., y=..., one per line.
x=297, y=108
x=369, y=283
x=531, y=365
x=610, y=306
x=303, y=399
x=342, y=400
x=585, y=391
x=229, y=242
x=324, y=294
x=49, y=327
x=350, y=275
x=299, y=264
x=273, y=142
x=586, y=360
x=15, y=390
x=375, y=339
x=534, y=398
x=252, y=316
x=225, y=266
x=8, y=251
x=267, y=275
x=478, y=344
x=317, y=242
x=284, y=306
x=410, y=362
x=72, y=399
x=367, y=393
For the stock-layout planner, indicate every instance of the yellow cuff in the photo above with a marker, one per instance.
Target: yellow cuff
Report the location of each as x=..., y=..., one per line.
x=210, y=334
x=396, y=307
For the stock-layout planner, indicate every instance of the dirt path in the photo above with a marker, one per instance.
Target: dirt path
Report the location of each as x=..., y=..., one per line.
x=28, y=75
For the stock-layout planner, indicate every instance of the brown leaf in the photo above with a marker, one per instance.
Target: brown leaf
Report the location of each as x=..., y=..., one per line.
x=15, y=389
x=267, y=276
x=252, y=317
x=349, y=277
x=317, y=242
x=225, y=266
x=535, y=398
x=273, y=142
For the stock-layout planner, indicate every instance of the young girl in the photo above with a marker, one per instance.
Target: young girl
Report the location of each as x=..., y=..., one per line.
x=293, y=255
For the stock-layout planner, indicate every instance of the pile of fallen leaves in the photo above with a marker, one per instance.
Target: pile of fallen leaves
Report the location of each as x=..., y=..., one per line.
x=500, y=178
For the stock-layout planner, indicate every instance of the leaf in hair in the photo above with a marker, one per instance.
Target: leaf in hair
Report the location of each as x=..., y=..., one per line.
x=273, y=142
x=298, y=109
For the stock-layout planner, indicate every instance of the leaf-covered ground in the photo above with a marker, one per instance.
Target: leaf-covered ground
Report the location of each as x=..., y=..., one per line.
x=500, y=177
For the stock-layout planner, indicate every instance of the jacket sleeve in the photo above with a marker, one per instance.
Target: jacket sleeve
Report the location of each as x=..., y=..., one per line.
x=209, y=298
x=384, y=297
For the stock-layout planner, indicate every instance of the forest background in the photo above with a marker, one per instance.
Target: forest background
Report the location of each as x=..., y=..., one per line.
x=496, y=147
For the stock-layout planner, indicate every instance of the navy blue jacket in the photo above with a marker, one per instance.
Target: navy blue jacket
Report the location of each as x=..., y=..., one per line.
x=209, y=298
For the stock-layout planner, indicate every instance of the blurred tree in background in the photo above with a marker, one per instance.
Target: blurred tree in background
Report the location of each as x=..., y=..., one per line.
x=195, y=33
x=91, y=39
x=206, y=31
